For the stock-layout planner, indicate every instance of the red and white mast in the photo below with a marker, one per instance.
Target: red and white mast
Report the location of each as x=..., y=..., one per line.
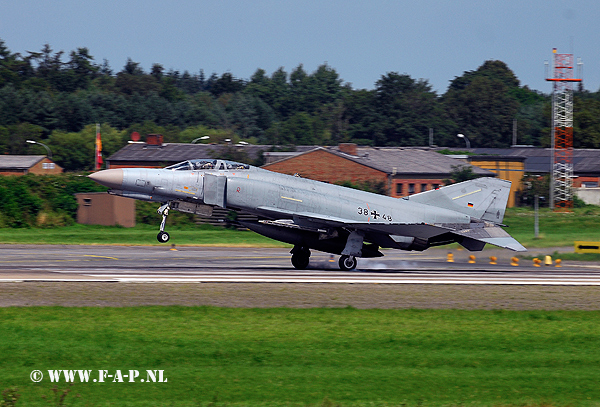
x=561, y=196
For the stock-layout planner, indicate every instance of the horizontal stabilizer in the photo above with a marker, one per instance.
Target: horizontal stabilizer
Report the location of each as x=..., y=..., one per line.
x=493, y=235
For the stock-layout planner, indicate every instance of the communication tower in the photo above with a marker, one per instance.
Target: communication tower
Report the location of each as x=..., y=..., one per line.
x=562, y=131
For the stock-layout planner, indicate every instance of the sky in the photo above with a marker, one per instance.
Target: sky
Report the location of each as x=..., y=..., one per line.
x=435, y=40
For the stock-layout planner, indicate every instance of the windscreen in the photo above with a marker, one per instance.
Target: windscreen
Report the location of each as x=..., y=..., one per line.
x=207, y=164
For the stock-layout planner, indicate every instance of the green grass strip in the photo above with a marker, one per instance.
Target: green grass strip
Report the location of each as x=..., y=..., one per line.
x=141, y=235
x=288, y=357
x=556, y=229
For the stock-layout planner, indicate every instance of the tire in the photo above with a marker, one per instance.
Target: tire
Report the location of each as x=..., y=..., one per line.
x=163, y=237
x=347, y=263
x=300, y=261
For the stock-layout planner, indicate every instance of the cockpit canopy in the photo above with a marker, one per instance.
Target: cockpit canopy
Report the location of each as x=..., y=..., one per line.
x=207, y=164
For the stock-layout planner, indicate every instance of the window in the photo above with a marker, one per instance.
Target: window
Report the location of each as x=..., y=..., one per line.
x=423, y=187
x=87, y=201
x=411, y=189
x=436, y=186
x=399, y=189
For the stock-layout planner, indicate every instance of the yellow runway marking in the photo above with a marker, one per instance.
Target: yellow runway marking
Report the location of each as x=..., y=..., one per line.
x=101, y=257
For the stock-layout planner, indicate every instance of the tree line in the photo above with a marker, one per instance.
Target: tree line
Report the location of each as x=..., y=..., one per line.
x=55, y=98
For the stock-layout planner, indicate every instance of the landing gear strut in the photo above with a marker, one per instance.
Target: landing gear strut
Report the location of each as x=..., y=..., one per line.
x=163, y=237
x=347, y=263
x=300, y=257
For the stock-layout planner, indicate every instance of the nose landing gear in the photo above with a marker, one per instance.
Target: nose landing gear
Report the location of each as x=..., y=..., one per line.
x=347, y=263
x=163, y=237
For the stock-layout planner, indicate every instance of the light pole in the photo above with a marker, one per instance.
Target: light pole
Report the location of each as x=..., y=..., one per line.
x=466, y=139
x=41, y=144
x=200, y=138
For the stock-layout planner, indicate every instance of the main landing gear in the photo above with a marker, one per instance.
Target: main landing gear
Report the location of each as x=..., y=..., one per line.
x=347, y=262
x=300, y=257
x=163, y=237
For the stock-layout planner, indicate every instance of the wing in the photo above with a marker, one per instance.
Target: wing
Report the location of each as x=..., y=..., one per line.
x=472, y=236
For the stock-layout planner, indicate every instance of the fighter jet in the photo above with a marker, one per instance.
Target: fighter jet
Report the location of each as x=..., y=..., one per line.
x=315, y=215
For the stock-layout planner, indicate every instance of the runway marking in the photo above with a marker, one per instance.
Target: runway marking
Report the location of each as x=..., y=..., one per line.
x=332, y=276
x=348, y=281
x=101, y=257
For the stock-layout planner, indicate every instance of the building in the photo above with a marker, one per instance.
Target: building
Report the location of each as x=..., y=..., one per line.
x=100, y=208
x=538, y=161
x=28, y=164
x=402, y=171
x=510, y=168
x=156, y=154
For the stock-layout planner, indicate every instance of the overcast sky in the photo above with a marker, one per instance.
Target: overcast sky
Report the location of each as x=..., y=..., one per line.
x=436, y=40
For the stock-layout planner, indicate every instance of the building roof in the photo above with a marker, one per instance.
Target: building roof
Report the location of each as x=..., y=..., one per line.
x=390, y=160
x=403, y=160
x=538, y=160
x=19, y=162
x=176, y=152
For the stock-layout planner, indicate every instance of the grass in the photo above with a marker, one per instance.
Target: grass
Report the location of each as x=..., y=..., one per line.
x=556, y=229
x=297, y=357
x=138, y=235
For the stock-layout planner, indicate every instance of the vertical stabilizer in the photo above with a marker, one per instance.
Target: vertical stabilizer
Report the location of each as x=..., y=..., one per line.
x=482, y=198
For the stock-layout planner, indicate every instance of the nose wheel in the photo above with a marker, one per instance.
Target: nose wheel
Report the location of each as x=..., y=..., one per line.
x=347, y=263
x=163, y=237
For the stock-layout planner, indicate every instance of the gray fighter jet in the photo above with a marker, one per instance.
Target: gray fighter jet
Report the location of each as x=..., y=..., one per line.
x=315, y=215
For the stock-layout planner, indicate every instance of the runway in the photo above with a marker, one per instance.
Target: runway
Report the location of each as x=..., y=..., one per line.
x=160, y=264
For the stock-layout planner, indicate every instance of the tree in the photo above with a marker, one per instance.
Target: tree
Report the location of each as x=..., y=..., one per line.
x=586, y=126
x=481, y=105
x=279, y=93
x=13, y=139
x=407, y=109
x=460, y=173
x=10, y=66
x=535, y=185
x=259, y=86
x=362, y=117
x=82, y=68
x=73, y=151
x=227, y=84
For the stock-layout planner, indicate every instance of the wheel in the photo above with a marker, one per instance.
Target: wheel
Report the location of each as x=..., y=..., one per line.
x=300, y=260
x=347, y=263
x=163, y=237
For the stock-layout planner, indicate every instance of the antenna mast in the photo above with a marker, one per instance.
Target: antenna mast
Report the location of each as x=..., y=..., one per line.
x=561, y=195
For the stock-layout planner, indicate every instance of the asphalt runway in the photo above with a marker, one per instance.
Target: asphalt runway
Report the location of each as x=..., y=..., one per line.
x=161, y=264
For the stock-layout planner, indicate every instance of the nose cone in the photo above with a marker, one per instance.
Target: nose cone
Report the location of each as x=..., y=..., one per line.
x=109, y=178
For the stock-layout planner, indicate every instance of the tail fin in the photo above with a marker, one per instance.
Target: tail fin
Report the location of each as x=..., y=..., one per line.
x=482, y=198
